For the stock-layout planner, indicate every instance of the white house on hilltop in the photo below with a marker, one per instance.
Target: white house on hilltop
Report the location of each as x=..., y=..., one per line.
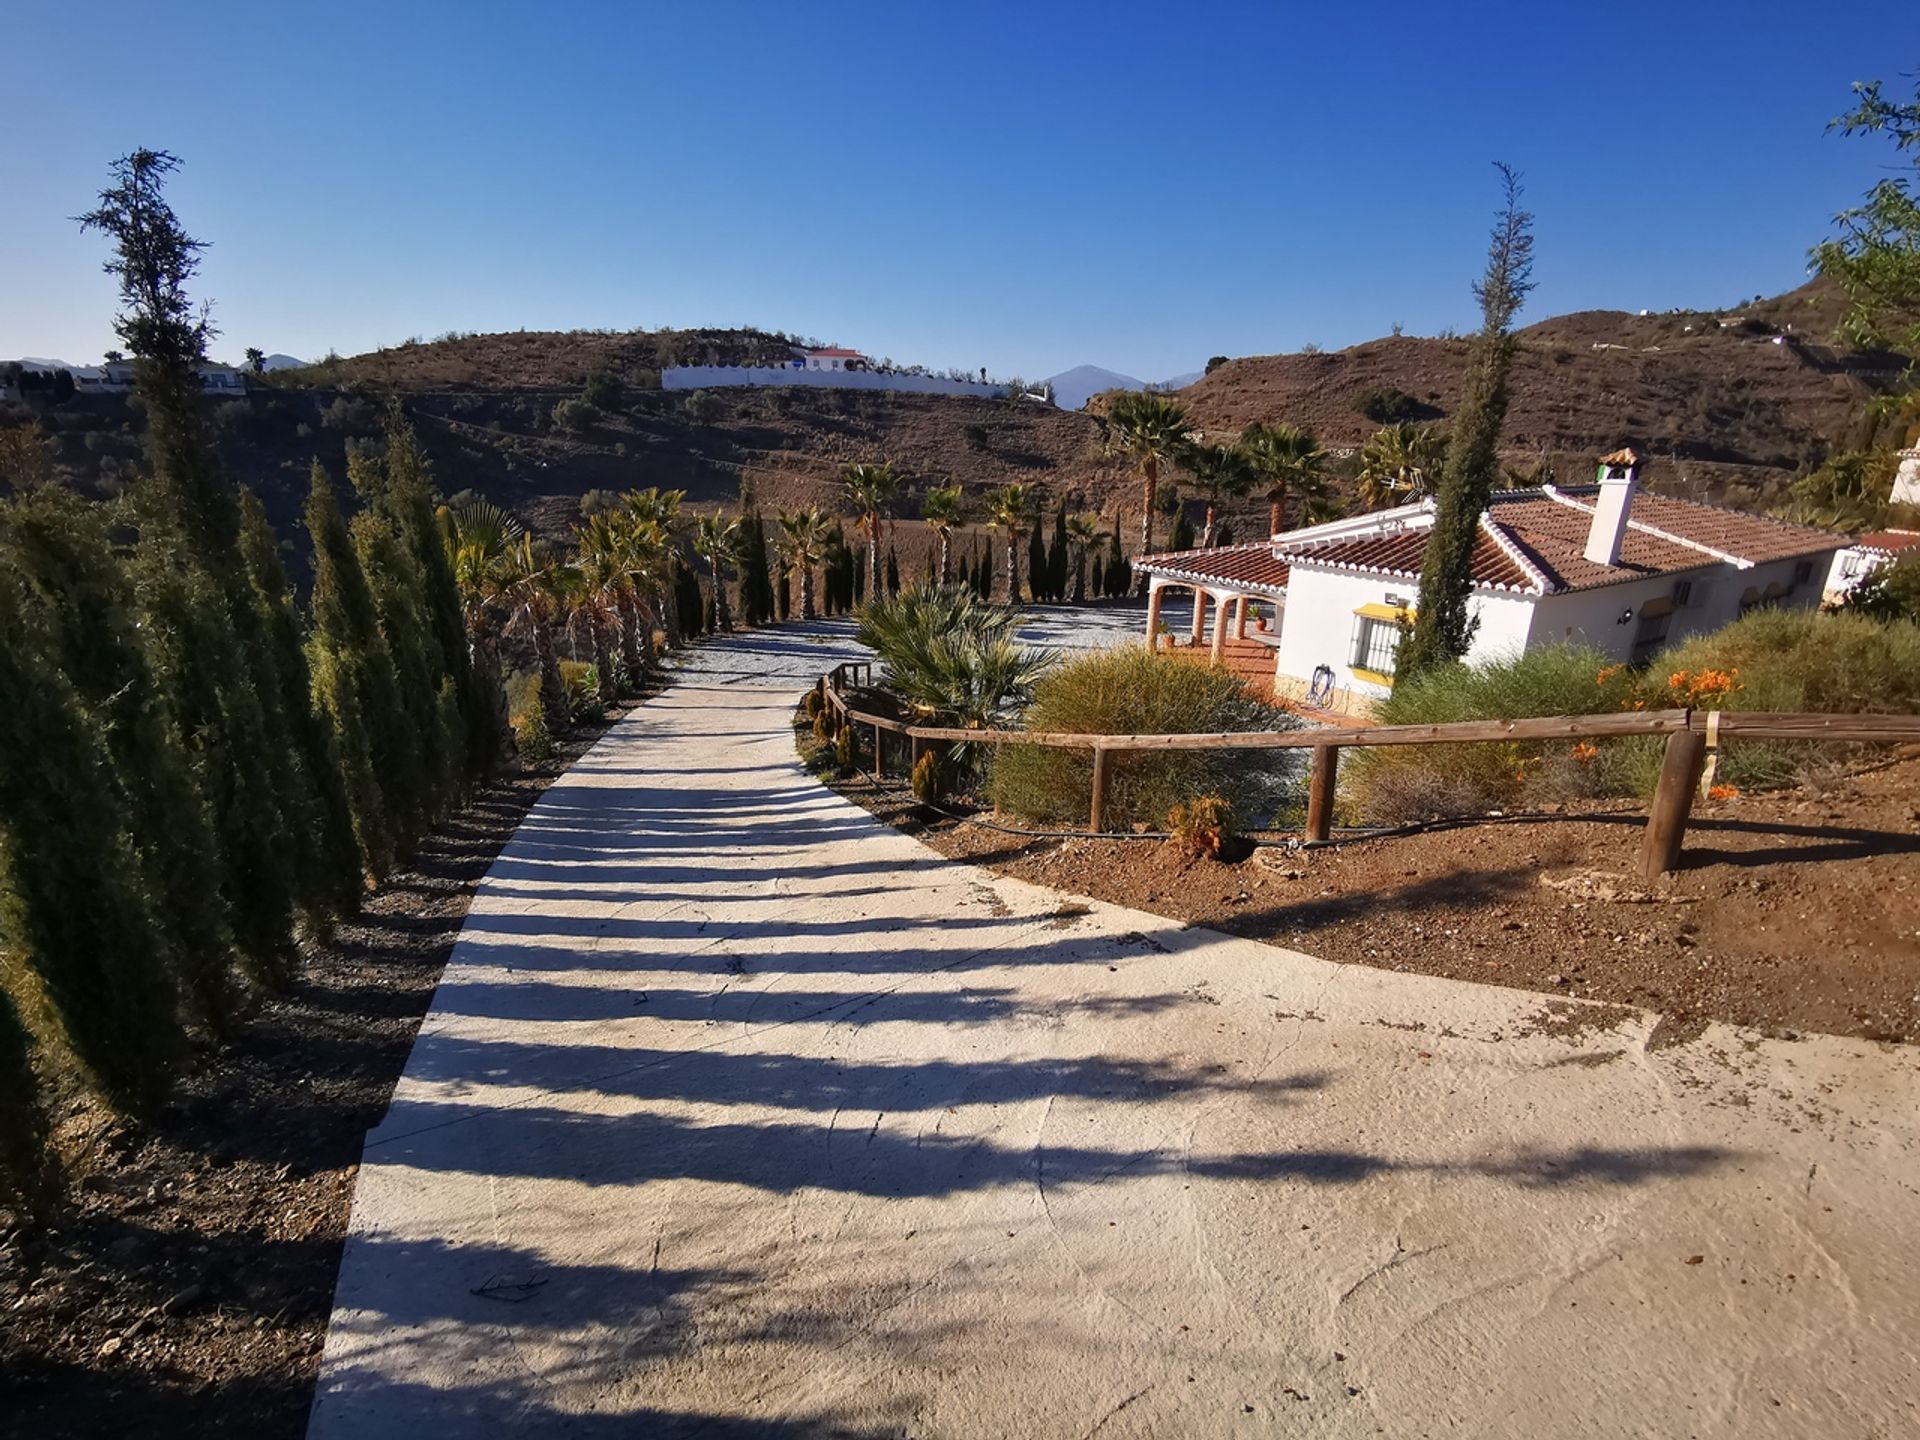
x=1604, y=565
x=831, y=358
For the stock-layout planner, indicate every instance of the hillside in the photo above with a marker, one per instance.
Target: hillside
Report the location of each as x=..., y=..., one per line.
x=1726, y=405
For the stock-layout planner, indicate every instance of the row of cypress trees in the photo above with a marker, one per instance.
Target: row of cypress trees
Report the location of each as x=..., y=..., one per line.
x=193, y=769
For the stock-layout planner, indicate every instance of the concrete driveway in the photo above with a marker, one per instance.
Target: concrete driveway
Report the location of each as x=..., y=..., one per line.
x=738, y=1114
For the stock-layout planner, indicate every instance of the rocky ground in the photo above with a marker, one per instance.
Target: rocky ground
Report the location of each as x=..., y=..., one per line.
x=1795, y=911
x=184, y=1288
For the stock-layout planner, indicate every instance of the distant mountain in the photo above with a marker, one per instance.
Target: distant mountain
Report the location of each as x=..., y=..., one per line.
x=1073, y=388
x=277, y=361
x=1180, y=382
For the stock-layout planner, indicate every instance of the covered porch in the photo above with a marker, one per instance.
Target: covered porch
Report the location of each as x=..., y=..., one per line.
x=1245, y=588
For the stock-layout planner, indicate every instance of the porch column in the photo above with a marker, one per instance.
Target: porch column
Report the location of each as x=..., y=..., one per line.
x=1154, y=590
x=1220, y=613
x=1199, y=615
x=1240, y=618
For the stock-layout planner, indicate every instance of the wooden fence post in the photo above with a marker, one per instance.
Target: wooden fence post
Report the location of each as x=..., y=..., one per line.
x=879, y=754
x=1672, y=802
x=1326, y=768
x=1101, y=759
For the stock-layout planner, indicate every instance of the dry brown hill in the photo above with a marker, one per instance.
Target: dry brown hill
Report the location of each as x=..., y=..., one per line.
x=1727, y=405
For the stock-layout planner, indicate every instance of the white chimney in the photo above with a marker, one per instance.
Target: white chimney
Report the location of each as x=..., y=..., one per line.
x=1619, y=477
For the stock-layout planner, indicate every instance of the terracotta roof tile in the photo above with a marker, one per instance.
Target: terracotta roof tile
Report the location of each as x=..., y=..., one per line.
x=1890, y=541
x=1400, y=553
x=1253, y=565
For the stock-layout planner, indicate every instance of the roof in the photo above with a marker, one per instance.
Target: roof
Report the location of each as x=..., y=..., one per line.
x=1534, y=542
x=1251, y=567
x=1889, y=542
x=833, y=350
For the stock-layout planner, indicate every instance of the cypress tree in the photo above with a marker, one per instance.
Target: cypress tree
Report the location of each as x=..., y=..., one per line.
x=1444, y=622
x=355, y=687
x=84, y=605
x=783, y=597
x=1182, y=537
x=893, y=572
x=1057, y=555
x=756, y=584
x=81, y=946
x=190, y=523
x=1036, y=565
x=689, y=600
x=392, y=580
x=331, y=866
x=1095, y=589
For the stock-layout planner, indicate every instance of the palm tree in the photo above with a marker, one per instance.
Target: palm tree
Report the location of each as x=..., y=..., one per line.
x=1219, y=472
x=870, y=489
x=534, y=589
x=1148, y=430
x=661, y=509
x=605, y=575
x=943, y=509
x=1083, y=533
x=802, y=541
x=1009, y=510
x=1288, y=459
x=478, y=535
x=717, y=537
x=1399, y=464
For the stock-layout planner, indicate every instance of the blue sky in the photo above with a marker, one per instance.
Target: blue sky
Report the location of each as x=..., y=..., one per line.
x=1022, y=187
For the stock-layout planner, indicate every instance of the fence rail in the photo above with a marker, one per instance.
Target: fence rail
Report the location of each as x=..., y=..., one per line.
x=1691, y=734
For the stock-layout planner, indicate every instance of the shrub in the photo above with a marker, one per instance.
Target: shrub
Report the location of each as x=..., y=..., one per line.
x=1133, y=691
x=583, y=689
x=705, y=408
x=1388, y=405
x=531, y=733
x=813, y=704
x=1400, y=783
x=845, y=748
x=949, y=654
x=1202, y=826
x=575, y=416
x=823, y=727
x=602, y=391
x=929, y=777
x=1890, y=593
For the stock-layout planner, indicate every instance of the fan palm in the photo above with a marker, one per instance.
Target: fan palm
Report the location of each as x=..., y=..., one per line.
x=604, y=564
x=1219, y=472
x=533, y=589
x=478, y=535
x=1147, y=430
x=801, y=543
x=1399, y=464
x=1288, y=460
x=1010, y=509
x=944, y=509
x=870, y=489
x=1083, y=533
x=951, y=655
x=661, y=509
x=717, y=537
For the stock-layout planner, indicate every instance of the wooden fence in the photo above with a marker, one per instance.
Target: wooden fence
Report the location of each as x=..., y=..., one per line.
x=1691, y=734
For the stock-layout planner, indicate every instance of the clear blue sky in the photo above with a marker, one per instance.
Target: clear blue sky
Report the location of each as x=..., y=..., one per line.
x=1025, y=187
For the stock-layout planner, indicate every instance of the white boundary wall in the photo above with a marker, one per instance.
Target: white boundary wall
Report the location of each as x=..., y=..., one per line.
x=712, y=377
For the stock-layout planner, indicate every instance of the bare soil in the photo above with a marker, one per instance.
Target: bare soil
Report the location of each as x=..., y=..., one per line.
x=1794, y=911
x=183, y=1290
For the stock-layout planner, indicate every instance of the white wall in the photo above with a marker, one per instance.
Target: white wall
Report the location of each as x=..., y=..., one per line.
x=1319, y=618
x=711, y=377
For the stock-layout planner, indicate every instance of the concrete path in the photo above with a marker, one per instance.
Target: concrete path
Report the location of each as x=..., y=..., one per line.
x=738, y=1114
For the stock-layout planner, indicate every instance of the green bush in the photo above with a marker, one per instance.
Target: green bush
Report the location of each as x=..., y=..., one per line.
x=951, y=655
x=1130, y=690
x=1769, y=660
x=1389, y=405
x=531, y=734
x=602, y=391
x=575, y=416
x=583, y=689
x=1890, y=593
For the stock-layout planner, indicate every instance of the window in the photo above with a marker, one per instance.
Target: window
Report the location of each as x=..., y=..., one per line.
x=1649, y=636
x=1803, y=572
x=1849, y=564
x=1376, y=641
x=1682, y=591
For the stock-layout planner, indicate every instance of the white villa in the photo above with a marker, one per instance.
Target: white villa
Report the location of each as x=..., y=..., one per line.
x=831, y=358
x=1602, y=565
